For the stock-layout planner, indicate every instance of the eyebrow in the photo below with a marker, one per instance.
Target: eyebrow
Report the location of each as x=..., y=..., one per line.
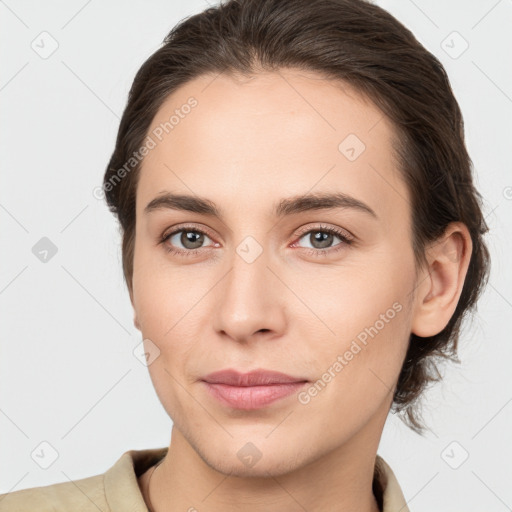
x=284, y=207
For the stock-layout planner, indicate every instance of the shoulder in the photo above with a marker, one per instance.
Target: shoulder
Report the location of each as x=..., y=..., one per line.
x=79, y=495
x=387, y=486
x=116, y=490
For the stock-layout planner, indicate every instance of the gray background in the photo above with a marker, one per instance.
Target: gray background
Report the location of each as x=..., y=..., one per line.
x=68, y=375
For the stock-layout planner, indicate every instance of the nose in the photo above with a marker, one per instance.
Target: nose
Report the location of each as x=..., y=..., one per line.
x=251, y=300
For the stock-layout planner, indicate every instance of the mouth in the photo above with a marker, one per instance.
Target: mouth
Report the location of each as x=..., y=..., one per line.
x=253, y=390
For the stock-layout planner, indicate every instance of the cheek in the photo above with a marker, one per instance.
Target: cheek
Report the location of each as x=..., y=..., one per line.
x=170, y=306
x=351, y=298
x=162, y=294
x=365, y=324
x=164, y=308
x=358, y=373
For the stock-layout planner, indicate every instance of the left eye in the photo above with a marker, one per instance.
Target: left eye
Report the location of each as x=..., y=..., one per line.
x=323, y=238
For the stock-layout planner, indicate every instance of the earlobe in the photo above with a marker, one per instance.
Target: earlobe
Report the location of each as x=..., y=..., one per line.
x=440, y=286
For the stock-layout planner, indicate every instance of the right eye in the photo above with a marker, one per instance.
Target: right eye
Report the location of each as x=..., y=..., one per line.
x=191, y=239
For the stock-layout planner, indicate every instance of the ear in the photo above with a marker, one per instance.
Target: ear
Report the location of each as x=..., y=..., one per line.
x=135, y=321
x=440, y=285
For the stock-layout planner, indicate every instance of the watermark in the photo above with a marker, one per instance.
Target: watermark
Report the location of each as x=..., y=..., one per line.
x=146, y=352
x=249, y=249
x=351, y=147
x=454, y=45
x=44, y=250
x=150, y=142
x=305, y=396
x=44, y=454
x=507, y=193
x=45, y=45
x=455, y=455
x=249, y=454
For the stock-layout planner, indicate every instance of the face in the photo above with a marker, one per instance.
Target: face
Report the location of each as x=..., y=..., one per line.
x=317, y=289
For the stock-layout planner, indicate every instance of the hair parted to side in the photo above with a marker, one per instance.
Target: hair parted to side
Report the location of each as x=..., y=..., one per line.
x=352, y=42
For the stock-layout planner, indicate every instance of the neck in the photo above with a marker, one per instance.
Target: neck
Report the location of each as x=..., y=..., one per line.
x=342, y=481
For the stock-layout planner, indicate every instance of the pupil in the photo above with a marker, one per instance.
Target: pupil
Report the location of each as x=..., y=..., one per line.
x=323, y=238
x=193, y=237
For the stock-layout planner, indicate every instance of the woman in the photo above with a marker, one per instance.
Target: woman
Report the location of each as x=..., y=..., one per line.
x=301, y=236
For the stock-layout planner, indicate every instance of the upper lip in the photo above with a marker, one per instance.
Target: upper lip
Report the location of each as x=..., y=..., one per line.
x=257, y=377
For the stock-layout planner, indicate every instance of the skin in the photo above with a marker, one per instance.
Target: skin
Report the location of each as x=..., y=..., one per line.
x=248, y=144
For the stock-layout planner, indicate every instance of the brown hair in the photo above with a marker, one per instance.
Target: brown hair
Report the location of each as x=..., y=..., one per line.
x=352, y=42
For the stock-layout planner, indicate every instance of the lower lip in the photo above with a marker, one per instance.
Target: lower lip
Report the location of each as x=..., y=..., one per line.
x=252, y=397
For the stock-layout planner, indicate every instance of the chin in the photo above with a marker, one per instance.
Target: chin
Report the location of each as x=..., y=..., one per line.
x=250, y=460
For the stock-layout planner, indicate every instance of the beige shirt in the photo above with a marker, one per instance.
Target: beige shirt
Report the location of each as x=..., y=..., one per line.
x=117, y=490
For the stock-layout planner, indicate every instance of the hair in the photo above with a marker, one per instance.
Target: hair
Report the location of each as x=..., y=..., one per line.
x=351, y=42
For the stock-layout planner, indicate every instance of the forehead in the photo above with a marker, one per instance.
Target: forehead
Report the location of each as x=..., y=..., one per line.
x=270, y=135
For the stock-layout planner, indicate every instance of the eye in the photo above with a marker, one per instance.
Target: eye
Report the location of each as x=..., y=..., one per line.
x=190, y=239
x=321, y=239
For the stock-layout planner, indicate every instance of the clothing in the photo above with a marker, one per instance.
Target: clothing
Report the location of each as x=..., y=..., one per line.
x=117, y=490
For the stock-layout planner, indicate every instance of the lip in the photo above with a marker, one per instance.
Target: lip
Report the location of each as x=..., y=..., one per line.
x=252, y=390
x=258, y=377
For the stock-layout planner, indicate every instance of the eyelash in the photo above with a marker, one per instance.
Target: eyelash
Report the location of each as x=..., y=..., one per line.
x=345, y=240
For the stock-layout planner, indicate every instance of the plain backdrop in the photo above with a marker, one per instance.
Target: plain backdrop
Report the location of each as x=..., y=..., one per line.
x=73, y=396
